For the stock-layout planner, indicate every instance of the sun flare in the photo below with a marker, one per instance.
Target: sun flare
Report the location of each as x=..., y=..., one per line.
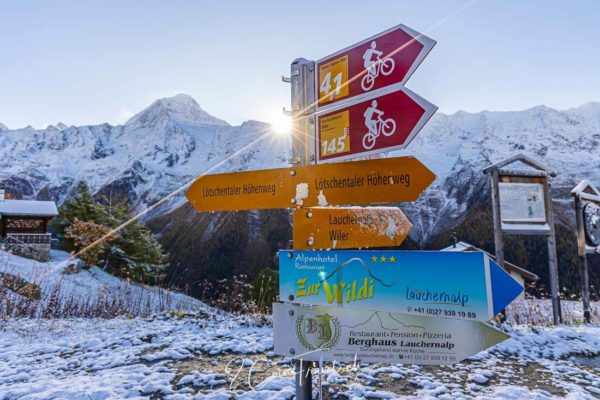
x=282, y=124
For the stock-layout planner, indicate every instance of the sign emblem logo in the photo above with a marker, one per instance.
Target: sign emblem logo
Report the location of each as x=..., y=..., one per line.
x=319, y=331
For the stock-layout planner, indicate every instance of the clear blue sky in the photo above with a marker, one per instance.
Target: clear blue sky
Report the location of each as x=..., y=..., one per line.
x=84, y=62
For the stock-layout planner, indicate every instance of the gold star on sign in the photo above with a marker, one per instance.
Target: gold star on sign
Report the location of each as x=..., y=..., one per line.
x=374, y=258
x=392, y=259
x=383, y=259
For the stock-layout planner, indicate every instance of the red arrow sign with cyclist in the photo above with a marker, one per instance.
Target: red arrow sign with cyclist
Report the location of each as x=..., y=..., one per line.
x=361, y=127
x=374, y=63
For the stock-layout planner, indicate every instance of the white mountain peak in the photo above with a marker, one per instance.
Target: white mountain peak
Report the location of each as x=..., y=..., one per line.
x=3, y=127
x=181, y=108
x=174, y=140
x=589, y=110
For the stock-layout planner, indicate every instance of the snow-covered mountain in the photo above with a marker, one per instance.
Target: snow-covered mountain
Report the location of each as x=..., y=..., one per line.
x=174, y=140
x=458, y=146
x=156, y=151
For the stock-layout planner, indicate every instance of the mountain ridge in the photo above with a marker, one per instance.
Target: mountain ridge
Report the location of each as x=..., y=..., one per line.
x=173, y=140
x=165, y=145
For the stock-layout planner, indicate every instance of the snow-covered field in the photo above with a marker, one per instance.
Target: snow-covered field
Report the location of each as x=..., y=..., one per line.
x=215, y=356
x=202, y=353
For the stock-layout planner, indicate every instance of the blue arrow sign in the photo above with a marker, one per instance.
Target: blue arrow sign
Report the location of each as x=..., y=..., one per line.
x=461, y=285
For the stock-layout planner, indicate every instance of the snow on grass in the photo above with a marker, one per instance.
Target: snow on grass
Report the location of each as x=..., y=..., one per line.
x=115, y=358
x=539, y=311
x=211, y=356
x=185, y=355
x=84, y=293
x=533, y=343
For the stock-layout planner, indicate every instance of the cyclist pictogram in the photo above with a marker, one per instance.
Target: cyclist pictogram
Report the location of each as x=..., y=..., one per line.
x=375, y=65
x=376, y=125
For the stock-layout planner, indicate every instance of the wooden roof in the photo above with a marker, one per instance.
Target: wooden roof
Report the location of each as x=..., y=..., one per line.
x=522, y=158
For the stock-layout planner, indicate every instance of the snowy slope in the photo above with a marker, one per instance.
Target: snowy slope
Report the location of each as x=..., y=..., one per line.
x=88, y=288
x=174, y=140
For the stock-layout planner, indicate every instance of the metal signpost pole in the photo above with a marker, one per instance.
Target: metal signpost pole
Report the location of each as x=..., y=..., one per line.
x=303, y=99
x=583, y=268
x=303, y=380
x=302, y=103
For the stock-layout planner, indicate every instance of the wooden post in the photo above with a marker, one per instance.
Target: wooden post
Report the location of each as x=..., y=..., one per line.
x=583, y=268
x=498, y=240
x=552, y=259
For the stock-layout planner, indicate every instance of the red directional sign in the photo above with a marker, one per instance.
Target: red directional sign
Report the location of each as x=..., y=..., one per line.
x=361, y=127
x=374, y=63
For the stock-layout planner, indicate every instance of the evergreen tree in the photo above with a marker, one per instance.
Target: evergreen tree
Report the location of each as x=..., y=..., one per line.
x=131, y=252
x=137, y=255
x=81, y=206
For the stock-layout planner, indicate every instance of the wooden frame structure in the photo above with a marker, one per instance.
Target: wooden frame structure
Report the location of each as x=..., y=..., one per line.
x=534, y=173
x=584, y=193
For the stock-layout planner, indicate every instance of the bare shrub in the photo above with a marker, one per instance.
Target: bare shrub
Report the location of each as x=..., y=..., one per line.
x=58, y=301
x=83, y=234
x=232, y=295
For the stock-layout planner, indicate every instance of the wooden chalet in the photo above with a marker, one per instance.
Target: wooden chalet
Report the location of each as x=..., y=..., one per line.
x=26, y=221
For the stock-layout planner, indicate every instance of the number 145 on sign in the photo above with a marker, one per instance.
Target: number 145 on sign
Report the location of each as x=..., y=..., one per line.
x=335, y=134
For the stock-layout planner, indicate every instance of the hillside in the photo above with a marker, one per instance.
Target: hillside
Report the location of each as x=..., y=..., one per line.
x=88, y=292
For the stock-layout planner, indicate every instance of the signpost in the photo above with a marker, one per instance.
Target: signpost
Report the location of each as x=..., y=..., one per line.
x=587, y=213
x=458, y=285
x=522, y=205
x=341, y=334
x=335, y=118
x=387, y=58
x=346, y=228
x=360, y=183
x=350, y=104
x=361, y=127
